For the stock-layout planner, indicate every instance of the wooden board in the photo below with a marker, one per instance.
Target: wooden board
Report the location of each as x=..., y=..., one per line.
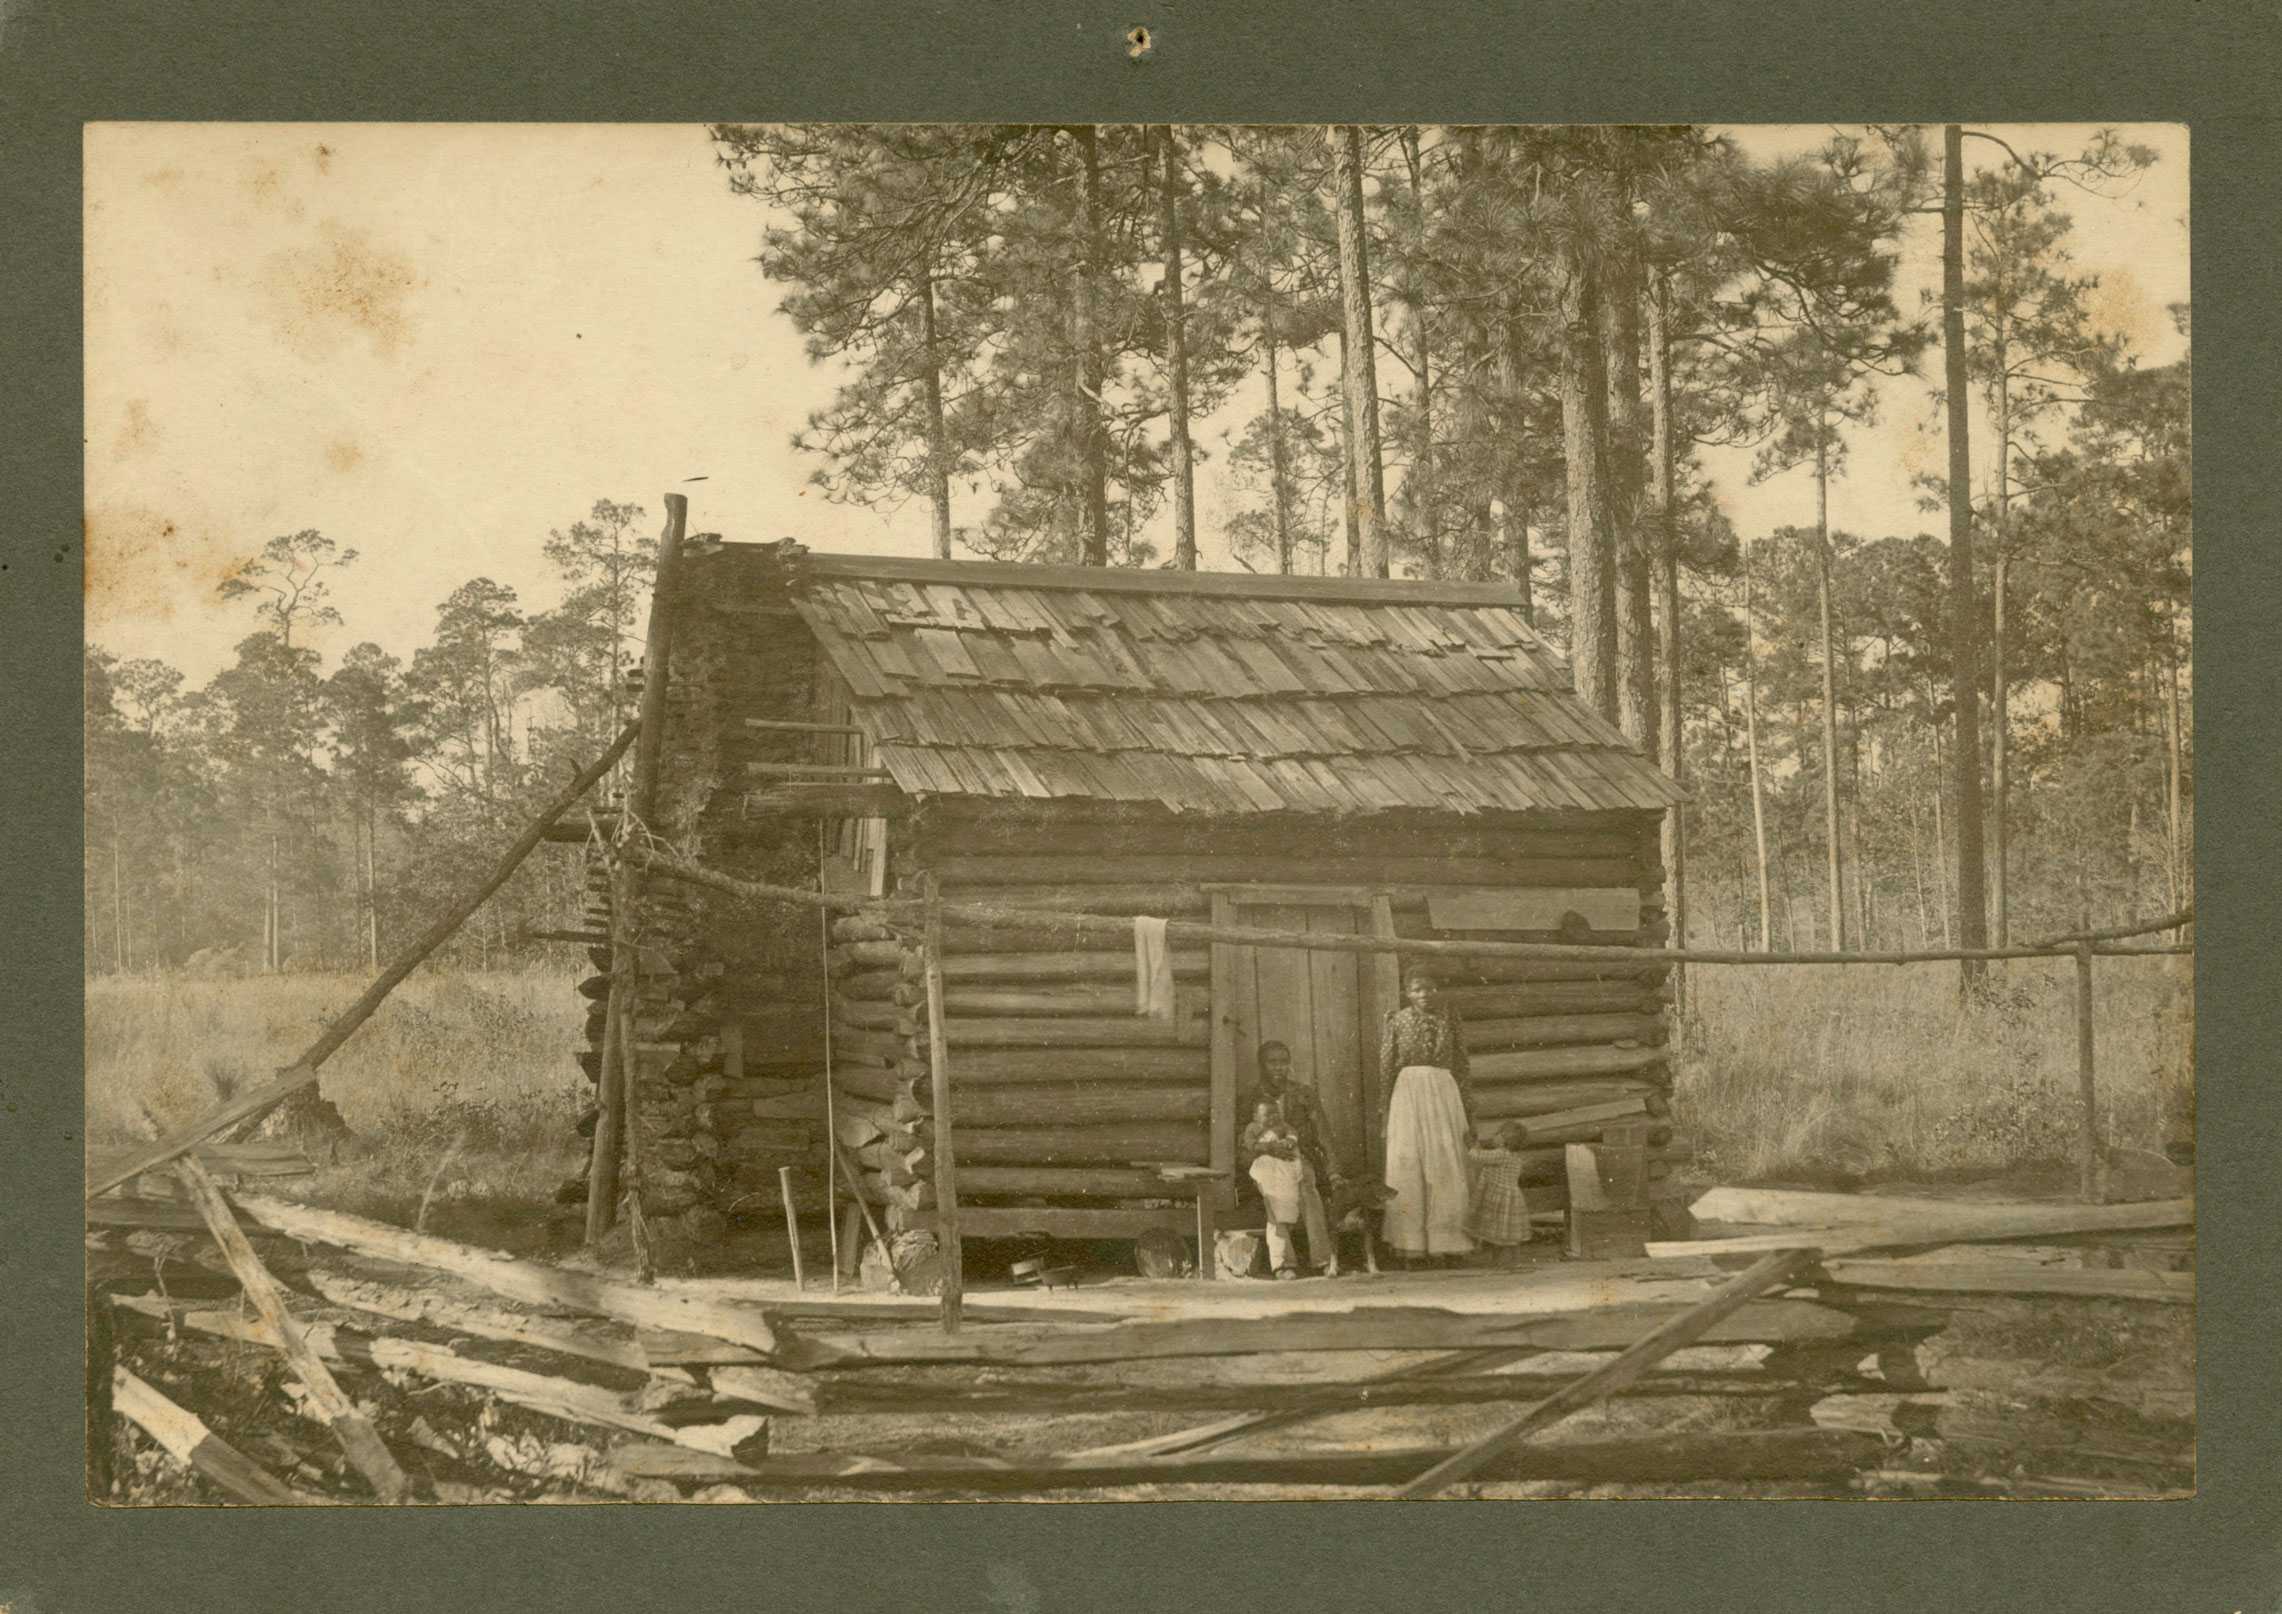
x=1539, y=908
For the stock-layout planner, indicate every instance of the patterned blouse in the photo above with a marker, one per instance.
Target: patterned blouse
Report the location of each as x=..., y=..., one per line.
x=1415, y=1036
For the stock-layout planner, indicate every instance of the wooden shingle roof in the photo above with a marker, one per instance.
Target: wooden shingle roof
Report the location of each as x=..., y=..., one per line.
x=1211, y=692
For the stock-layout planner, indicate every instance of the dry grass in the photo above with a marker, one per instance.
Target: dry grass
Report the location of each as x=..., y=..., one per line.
x=1802, y=1071
x=461, y=1082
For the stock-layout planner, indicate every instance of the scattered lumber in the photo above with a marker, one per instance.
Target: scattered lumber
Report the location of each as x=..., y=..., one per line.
x=1961, y=1222
x=1685, y=1328
x=186, y=1438
x=1782, y=1454
x=567, y=1399
x=244, y=1160
x=359, y=1440
x=422, y=1302
x=2014, y=1278
x=532, y=1282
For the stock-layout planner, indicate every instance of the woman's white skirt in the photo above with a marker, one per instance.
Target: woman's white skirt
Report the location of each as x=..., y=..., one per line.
x=1427, y=1164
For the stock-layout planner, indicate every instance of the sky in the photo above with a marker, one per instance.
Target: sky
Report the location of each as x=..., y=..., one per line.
x=436, y=343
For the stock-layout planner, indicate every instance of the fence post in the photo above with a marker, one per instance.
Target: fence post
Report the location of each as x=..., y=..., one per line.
x=2089, y=1147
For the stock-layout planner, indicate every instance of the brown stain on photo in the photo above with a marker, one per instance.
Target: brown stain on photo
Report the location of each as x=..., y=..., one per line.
x=343, y=455
x=138, y=434
x=2120, y=306
x=140, y=562
x=324, y=156
x=344, y=285
x=164, y=179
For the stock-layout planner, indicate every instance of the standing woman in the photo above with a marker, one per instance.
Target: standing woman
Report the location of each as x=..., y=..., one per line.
x=1428, y=1125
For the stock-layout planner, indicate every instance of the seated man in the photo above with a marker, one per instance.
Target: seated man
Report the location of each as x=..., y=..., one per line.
x=1283, y=1149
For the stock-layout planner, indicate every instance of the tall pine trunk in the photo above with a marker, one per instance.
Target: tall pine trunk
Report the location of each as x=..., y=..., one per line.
x=1177, y=355
x=1999, y=684
x=1627, y=432
x=938, y=435
x=1090, y=370
x=1518, y=558
x=1584, y=437
x=1834, y=857
x=1421, y=487
x=1964, y=618
x=1278, y=476
x=1664, y=535
x=1359, y=350
x=1751, y=756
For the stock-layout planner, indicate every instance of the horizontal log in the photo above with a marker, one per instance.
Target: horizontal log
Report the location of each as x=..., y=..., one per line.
x=1061, y=868
x=1071, y=1104
x=874, y=1082
x=995, y=1067
x=1361, y=1328
x=824, y=800
x=867, y=985
x=1561, y=1030
x=1526, y=1100
x=1116, y=1143
x=1189, y=1003
x=1543, y=1064
x=855, y=1042
x=869, y=955
x=1519, y=1000
x=1184, y=835
x=1760, y=1456
x=1109, y=964
x=1157, y=899
x=1455, y=973
x=432, y=1303
x=1058, y=1182
x=870, y=1016
x=1584, y=1123
x=1103, y=1031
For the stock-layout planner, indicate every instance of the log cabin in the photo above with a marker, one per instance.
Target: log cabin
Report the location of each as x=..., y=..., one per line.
x=1317, y=755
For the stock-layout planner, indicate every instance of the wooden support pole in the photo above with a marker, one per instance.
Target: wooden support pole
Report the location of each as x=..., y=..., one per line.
x=1658, y=1343
x=612, y=1128
x=187, y=1439
x=355, y=1432
x=939, y=1076
x=304, y=1070
x=2088, y=1149
x=792, y=1226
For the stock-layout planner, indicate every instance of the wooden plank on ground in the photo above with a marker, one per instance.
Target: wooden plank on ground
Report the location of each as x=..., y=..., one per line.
x=1963, y=1222
x=1793, y=1207
x=1689, y=1325
x=1651, y=1460
x=351, y=1427
x=187, y=1439
x=2014, y=1278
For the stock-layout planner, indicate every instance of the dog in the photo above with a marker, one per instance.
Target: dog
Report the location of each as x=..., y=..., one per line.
x=1354, y=1205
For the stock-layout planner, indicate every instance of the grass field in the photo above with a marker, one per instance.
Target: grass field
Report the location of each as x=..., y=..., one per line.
x=464, y=1088
x=1792, y=1071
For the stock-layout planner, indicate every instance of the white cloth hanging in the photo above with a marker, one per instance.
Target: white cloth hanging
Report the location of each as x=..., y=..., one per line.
x=1152, y=970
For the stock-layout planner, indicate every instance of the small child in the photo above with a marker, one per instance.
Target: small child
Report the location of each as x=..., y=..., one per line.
x=1499, y=1212
x=1278, y=1171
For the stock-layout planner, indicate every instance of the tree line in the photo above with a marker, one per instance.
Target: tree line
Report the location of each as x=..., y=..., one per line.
x=1472, y=353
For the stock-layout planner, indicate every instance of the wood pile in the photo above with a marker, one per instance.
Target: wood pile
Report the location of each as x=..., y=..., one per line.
x=456, y=1374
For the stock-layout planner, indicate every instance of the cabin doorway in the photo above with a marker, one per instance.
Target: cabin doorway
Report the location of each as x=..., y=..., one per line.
x=1323, y=1005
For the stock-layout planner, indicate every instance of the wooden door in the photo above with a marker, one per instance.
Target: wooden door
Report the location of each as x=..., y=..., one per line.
x=1317, y=1003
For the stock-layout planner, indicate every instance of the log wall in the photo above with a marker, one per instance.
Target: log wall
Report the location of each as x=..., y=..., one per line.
x=1064, y=1096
